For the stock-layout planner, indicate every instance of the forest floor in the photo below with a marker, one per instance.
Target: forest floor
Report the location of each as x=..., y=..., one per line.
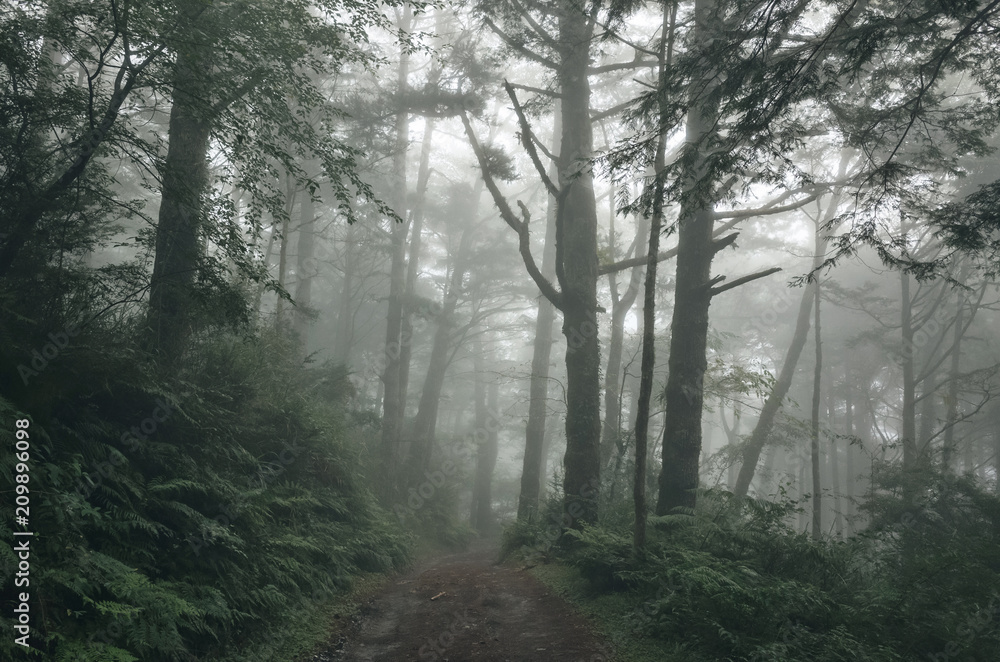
x=462, y=607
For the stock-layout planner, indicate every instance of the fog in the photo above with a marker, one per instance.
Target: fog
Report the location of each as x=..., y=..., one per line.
x=500, y=331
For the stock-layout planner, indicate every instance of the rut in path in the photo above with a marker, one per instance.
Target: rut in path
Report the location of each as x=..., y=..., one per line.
x=464, y=607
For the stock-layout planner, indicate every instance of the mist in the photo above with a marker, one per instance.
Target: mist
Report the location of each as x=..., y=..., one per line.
x=500, y=331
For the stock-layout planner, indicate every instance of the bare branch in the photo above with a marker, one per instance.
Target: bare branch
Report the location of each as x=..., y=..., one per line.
x=537, y=90
x=619, y=66
x=728, y=240
x=771, y=207
x=742, y=281
x=612, y=111
x=621, y=265
x=507, y=214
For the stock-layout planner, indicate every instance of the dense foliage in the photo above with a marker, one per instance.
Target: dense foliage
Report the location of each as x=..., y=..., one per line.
x=190, y=510
x=734, y=581
x=193, y=517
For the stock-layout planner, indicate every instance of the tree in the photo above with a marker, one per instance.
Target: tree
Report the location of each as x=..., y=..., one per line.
x=649, y=293
x=393, y=406
x=185, y=181
x=263, y=73
x=532, y=476
x=576, y=249
x=424, y=424
x=487, y=403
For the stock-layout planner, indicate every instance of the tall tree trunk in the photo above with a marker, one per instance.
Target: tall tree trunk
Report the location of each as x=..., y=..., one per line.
x=344, y=337
x=909, y=431
x=692, y=296
x=802, y=495
x=648, y=361
x=305, y=268
x=772, y=405
x=817, y=488
x=948, y=444
x=532, y=468
x=178, y=230
x=836, y=487
x=425, y=422
x=268, y=252
x=577, y=271
x=412, y=265
x=286, y=237
x=392, y=405
x=620, y=307
x=928, y=413
x=483, y=519
x=851, y=479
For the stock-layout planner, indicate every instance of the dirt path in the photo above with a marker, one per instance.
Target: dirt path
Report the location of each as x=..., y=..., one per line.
x=463, y=607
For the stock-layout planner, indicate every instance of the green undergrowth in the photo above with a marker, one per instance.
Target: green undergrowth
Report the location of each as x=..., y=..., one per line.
x=212, y=513
x=732, y=581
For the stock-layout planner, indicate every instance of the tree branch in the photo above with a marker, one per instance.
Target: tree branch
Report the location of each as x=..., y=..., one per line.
x=507, y=214
x=771, y=207
x=520, y=48
x=613, y=110
x=619, y=66
x=528, y=140
x=537, y=90
x=728, y=240
x=743, y=280
x=538, y=29
x=621, y=265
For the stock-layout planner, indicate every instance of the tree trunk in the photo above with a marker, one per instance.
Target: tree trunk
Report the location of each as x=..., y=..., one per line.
x=948, y=444
x=836, y=488
x=305, y=268
x=851, y=478
x=692, y=297
x=648, y=361
x=802, y=496
x=392, y=405
x=928, y=414
x=344, y=338
x=483, y=519
x=262, y=285
x=178, y=230
x=612, y=375
x=909, y=431
x=286, y=237
x=577, y=241
x=817, y=488
x=532, y=469
x=425, y=422
x=412, y=265
x=772, y=405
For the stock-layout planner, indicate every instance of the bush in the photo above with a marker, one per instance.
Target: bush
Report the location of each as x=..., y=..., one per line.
x=732, y=581
x=192, y=516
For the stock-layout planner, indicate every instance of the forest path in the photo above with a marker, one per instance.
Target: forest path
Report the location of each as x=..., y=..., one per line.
x=465, y=607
